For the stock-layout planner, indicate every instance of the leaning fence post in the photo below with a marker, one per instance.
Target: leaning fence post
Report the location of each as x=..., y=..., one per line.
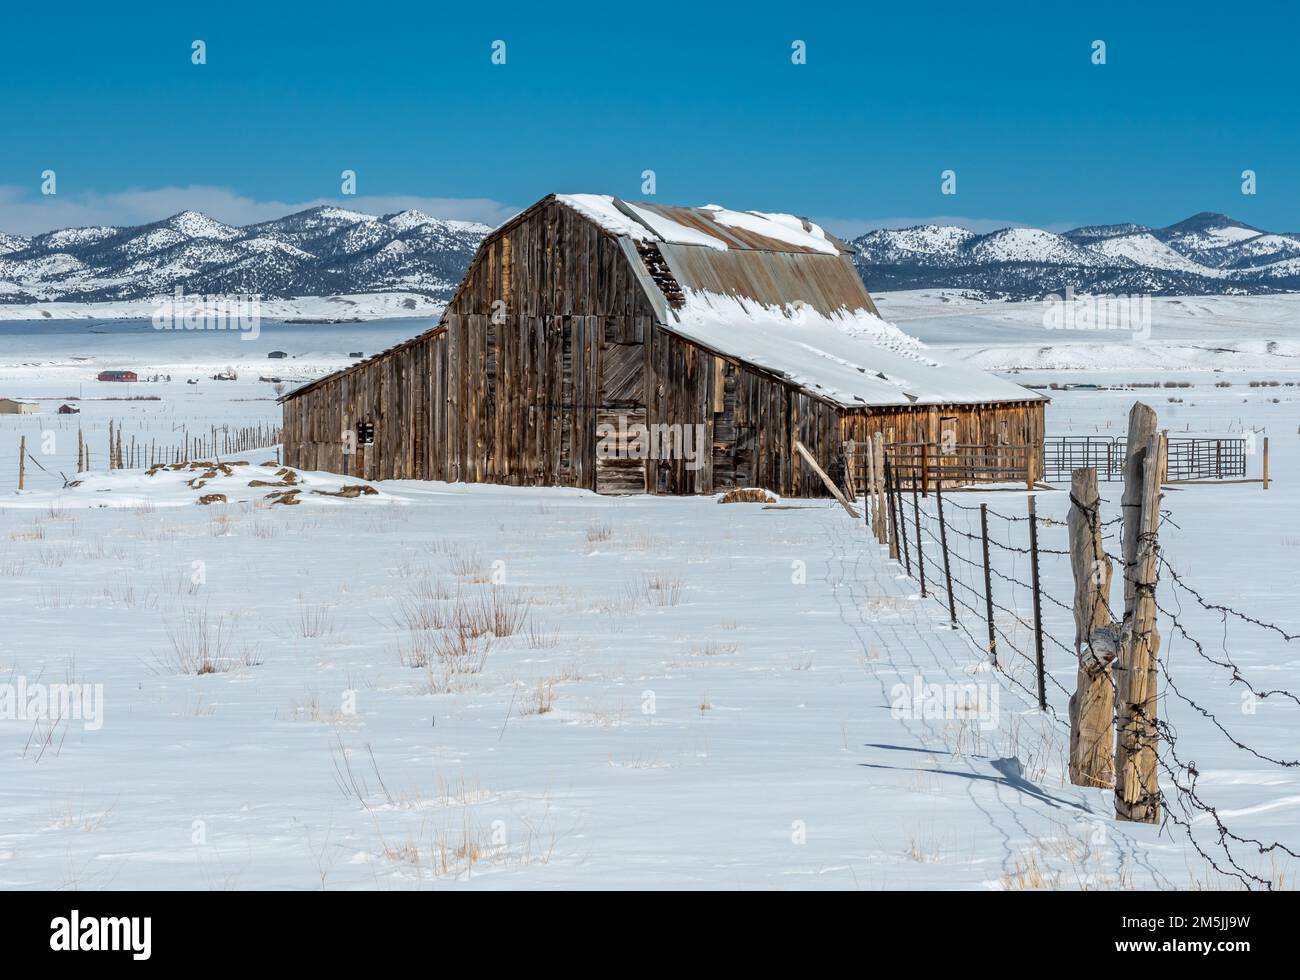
x=22, y=460
x=943, y=545
x=1265, y=472
x=1038, y=605
x=988, y=584
x=1137, y=787
x=920, y=555
x=1092, y=706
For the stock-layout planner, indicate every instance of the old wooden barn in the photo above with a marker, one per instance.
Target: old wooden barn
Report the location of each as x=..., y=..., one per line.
x=628, y=348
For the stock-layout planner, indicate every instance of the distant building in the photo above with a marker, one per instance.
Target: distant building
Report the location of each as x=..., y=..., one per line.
x=117, y=376
x=356, y=353
x=277, y=353
x=12, y=406
x=69, y=410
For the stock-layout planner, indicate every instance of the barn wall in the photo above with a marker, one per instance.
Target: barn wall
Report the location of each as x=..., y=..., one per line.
x=395, y=393
x=751, y=421
x=543, y=340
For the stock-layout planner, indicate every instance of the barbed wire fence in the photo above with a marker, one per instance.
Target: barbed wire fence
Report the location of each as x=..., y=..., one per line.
x=986, y=566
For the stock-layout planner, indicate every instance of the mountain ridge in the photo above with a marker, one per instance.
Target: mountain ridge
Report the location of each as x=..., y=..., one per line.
x=1207, y=253
x=323, y=250
x=330, y=250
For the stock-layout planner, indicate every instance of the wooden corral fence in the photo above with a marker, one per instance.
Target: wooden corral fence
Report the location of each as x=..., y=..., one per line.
x=219, y=440
x=121, y=451
x=925, y=465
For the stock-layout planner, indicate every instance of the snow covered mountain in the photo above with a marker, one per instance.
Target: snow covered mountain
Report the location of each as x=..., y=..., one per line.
x=321, y=251
x=329, y=250
x=1205, y=254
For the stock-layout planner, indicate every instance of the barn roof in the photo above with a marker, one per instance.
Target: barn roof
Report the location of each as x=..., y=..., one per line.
x=780, y=293
x=776, y=291
x=711, y=226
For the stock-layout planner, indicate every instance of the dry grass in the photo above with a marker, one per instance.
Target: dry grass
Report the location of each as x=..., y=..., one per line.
x=540, y=700
x=469, y=566
x=712, y=648
x=662, y=590
x=423, y=607
x=539, y=638
x=34, y=533
x=314, y=619
x=596, y=533
x=1027, y=875
x=200, y=643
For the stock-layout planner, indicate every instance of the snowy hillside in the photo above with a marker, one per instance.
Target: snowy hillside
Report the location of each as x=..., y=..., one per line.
x=318, y=252
x=1205, y=254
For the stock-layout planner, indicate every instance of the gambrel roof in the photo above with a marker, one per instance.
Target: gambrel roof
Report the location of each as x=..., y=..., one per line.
x=777, y=292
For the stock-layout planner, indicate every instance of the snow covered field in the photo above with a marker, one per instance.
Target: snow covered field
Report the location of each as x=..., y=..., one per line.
x=1186, y=333
x=324, y=309
x=683, y=694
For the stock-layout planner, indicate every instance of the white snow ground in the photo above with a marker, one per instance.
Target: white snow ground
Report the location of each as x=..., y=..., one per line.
x=1187, y=333
x=328, y=309
x=719, y=679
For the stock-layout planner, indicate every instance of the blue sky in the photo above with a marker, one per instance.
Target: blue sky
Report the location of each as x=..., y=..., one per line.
x=705, y=95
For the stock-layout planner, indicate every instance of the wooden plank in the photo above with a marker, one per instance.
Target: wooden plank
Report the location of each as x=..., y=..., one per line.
x=830, y=484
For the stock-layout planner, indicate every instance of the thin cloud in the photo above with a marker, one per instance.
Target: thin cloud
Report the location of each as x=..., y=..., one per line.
x=22, y=213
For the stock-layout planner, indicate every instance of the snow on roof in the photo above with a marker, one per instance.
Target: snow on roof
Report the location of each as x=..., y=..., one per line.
x=600, y=209
x=851, y=358
x=782, y=227
x=712, y=225
x=671, y=231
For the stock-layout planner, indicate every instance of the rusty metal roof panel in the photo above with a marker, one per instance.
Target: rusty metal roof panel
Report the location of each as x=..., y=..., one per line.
x=827, y=283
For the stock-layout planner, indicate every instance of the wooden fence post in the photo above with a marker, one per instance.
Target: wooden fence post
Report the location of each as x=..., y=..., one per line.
x=988, y=584
x=891, y=501
x=81, y=445
x=1092, y=706
x=877, y=449
x=1265, y=473
x=1137, y=786
x=943, y=545
x=868, y=503
x=920, y=554
x=1038, y=604
x=22, y=460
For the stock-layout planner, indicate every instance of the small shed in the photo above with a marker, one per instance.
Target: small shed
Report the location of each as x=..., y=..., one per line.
x=18, y=406
x=277, y=354
x=117, y=376
x=629, y=348
x=69, y=410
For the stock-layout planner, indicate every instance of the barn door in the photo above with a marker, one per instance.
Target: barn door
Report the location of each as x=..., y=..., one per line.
x=620, y=450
